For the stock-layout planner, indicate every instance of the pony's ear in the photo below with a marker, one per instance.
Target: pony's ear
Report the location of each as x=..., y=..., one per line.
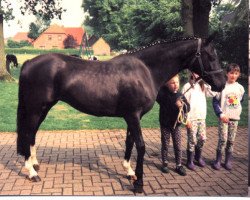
x=210, y=38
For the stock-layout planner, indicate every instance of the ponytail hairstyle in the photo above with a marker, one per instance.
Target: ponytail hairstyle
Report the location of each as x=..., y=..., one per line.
x=192, y=82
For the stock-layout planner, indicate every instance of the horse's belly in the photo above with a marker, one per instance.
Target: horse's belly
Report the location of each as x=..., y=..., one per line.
x=93, y=106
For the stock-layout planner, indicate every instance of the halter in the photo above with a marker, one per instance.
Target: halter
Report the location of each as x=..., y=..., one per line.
x=198, y=56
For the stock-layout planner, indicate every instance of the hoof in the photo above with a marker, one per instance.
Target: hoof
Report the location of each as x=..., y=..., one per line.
x=137, y=187
x=34, y=179
x=131, y=177
x=36, y=167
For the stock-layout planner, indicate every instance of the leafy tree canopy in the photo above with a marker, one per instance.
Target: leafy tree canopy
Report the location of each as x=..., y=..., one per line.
x=46, y=9
x=36, y=28
x=70, y=42
x=151, y=20
x=230, y=21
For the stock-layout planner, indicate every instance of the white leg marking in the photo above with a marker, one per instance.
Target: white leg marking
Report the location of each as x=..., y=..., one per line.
x=33, y=155
x=29, y=167
x=127, y=166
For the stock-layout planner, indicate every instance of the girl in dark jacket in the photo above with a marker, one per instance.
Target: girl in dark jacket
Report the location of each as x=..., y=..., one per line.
x=171, y=101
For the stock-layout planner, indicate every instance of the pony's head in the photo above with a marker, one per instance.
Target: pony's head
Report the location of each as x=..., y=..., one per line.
x=205, y=62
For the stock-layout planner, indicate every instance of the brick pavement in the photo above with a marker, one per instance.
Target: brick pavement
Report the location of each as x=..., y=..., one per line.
x=90, y=163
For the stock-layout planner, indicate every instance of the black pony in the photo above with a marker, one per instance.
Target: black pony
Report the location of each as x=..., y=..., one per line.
x=125, y=86
x=10, y=58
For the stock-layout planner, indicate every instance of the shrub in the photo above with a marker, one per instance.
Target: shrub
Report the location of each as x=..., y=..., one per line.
x=40, y=51
x=14, y=44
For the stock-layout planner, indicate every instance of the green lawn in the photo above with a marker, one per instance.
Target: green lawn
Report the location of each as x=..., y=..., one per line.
x=64, y=117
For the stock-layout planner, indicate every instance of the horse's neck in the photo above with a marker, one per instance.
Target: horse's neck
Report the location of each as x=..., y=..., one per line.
x=165, y=63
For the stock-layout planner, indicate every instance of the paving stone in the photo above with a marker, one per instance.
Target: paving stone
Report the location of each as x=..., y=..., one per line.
x=89, y=163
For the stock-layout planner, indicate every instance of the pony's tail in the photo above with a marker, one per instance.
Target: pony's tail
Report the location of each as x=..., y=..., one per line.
x=23, y=141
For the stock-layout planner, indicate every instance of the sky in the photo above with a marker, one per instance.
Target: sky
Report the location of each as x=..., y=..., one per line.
x=73, y=17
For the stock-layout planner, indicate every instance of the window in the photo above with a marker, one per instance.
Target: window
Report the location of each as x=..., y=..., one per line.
x=59, y=38
x=49, y=37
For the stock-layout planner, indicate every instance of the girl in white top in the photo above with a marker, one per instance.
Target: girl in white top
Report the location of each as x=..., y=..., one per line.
x=196, y=94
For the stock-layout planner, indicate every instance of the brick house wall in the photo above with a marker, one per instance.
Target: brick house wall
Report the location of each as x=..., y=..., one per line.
x=50, y=41
x=100, y=47
x=53, y=37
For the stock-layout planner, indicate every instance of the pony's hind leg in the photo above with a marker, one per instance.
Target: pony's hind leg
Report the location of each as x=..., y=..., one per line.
x=27, y=129
x=32, y=160
x=26, y=142
x=126, y=163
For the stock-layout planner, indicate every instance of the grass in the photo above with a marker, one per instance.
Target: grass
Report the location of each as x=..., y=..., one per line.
x=64, y=117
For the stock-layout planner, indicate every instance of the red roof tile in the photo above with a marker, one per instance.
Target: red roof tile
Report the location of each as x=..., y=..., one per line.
x=55, y=29
x=76, y=32
x=20, y=36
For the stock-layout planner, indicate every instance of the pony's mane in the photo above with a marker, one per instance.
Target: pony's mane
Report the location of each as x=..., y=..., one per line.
x=166, y=41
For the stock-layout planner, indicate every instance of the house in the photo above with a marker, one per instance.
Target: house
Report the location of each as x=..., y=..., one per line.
x=54, y=36
x=99, y=46
x=21, y=36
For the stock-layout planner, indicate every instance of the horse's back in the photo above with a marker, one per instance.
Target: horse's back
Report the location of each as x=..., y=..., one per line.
x=107, y=87
x=102, y=88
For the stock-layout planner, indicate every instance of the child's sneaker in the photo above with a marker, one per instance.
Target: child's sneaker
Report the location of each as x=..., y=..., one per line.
x=164, y=168
x=181, y=170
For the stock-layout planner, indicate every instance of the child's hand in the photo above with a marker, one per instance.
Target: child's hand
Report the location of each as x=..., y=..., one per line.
x=178, y=103
x=189, y=124
x=224, y=119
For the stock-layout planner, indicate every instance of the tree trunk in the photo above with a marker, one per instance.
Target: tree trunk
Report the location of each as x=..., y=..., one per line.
x=187, y=17
x=2, y=54
x=201, y=9
x=4, y=75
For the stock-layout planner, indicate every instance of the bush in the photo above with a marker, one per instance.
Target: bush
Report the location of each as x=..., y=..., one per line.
x=40, y=51
x=70, y=42
x=14, y=44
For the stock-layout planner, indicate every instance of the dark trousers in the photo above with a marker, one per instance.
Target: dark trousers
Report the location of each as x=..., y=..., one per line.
x=165, y=141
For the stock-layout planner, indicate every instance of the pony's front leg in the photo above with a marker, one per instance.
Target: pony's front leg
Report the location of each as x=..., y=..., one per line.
x=140, y=146
x=130, y=172
x=126, y=163
x=31, y=164
x=33, y=158
x=135, y=129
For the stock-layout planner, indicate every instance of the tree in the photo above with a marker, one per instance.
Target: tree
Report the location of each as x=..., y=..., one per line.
x=46, y=9
x=70, y=42
x=231, y=22
x=33, y=31
x=36, y=28
x=195, y=16
x=131, y=23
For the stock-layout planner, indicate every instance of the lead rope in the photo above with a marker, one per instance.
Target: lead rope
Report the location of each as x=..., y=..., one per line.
x=182, y=117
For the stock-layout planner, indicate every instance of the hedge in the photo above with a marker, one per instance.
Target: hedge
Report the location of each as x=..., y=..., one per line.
x=41, y=51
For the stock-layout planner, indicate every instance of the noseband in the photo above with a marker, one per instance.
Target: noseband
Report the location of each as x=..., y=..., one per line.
x=198, y=56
